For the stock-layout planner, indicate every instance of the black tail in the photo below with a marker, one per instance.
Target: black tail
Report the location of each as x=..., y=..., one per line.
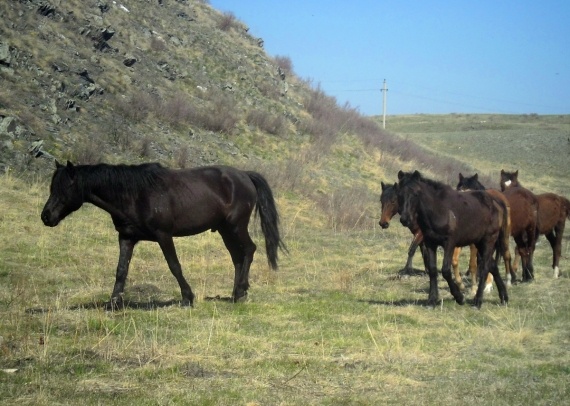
x=267, y=211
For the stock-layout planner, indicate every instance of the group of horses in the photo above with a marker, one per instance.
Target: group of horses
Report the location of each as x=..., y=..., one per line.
x=483, y=219
x=149, y=202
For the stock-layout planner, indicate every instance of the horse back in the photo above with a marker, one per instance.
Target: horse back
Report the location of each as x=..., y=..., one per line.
x=524, y=209
x=552, y=210
x=203, y=198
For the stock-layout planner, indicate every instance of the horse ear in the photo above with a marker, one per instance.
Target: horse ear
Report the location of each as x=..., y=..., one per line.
x=383, y=185
x=517, y=174
x=476, y=176
x=69, y=165
x=461, y=177
x=416, y=174
x=400, y=174
x=502, y=172
x=57, y=164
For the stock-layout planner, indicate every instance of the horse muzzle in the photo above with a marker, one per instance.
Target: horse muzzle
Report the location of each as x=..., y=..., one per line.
x=384, y=224
x=48, y=219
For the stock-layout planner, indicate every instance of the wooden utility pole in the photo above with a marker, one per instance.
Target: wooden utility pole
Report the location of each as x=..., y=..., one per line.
x=384, y=91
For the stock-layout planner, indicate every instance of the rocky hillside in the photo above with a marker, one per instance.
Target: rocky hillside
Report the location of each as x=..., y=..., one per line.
x=130, y=80
x=178, y=82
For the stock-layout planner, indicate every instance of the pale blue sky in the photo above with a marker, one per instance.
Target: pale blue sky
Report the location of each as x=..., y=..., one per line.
x=436, y=56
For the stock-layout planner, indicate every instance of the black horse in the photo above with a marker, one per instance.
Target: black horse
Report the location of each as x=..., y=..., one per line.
x=152, y=203
x=452, y=219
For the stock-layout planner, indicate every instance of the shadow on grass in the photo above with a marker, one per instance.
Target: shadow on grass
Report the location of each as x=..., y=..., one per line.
x=106, y=305
x=396, y=303
x=128, y=304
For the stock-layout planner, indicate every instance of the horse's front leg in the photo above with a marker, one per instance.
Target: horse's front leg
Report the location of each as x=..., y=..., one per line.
x=126, y=247
x=431, y=265
x=446, y=273
x=169, y=250
x=416, y=241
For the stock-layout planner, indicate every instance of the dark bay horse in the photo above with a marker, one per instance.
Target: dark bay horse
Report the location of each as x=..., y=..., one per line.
x=151, y=203
x=524, y=221
x=389, y=207
x=553, y=210
x=472, y=183
x=450, y=219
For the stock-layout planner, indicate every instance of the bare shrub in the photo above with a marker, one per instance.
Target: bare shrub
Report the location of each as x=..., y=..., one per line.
x=145, y=147
x=157, y=44
x=220, y=114
x=267, y=122
x=285, y=64
x=346, y=207
x=87, y=152
x=177, y=110
x=138, y=106
x=227, y=21
x=182, y=156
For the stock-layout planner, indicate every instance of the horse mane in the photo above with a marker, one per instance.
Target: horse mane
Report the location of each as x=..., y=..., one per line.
x=121, y=180
x=434, y=184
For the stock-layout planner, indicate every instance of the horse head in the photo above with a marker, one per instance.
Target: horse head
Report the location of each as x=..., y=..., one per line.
x=389, y=203
x=469, y=183
x=408, y=197
x=509, y=179
x=65, y=196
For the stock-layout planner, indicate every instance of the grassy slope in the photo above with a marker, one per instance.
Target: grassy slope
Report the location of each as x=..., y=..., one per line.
x=331, y=327
x=538, y=146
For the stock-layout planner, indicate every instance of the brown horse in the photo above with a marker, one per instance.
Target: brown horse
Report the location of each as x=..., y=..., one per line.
x=452, y=219
x=472, y=183
x=389, y=205
x=553, y=210
x=524, y=220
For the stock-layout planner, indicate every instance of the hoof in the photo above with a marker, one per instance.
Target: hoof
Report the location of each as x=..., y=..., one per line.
x=187, y=303
x=241, y=298
x=115, y=304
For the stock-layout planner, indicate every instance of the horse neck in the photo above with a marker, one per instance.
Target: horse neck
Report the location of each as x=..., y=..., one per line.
x=430, y=207
x=98, y=191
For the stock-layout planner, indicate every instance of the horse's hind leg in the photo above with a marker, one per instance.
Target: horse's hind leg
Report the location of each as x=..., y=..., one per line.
x=555, y=239
x=501, y=288
x=455, y=266
x=167, y=245
x=446, y=273
x=241, y=248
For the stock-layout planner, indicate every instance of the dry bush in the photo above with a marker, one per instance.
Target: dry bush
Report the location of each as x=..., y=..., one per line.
x=145, y=149
x=284, y=63
x=182, y=156
x=346, y=207
x=138, y=106
x=157, y=44
x=87, y=151
x=267, y=122
x=220, y=115
x=227, y=21
x=178, y=110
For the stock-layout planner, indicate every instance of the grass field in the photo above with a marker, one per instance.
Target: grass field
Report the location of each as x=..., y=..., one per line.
x=332, y=326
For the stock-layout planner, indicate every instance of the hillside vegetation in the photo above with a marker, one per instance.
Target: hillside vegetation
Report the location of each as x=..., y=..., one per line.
x=179, y=83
